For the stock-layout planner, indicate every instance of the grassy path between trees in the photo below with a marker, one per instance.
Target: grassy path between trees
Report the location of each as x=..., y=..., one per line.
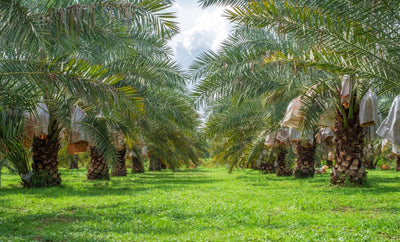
x=201, y=205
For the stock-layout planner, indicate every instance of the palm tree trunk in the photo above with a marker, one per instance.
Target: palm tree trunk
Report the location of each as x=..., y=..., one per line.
x=45, y=165
x=256, y=166
x=305, y=161
x=369, y=163
x=369, y=155
x=281, y=166
x=268, y=167
x=73, y=164
x=329, y=163
x=349, y=151
x=137, y=166
x=156, y=164
x=98, y=169
x=119, y=167
x=398, y=164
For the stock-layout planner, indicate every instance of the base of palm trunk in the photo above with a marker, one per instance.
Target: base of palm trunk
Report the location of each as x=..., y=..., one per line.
x=398, y=164
x=137, y=166
x=349, y=168
x=119, y=167
x=45, y=165
x=256, y=166
x=74, y=162
x=156, y=165
x=369, y=164
x=281, y=166
x=268, y=167
x=98, y=169
x=305, y=161
x=259, y=166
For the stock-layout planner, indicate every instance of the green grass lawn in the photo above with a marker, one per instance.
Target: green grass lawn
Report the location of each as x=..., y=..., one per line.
x=201, y=205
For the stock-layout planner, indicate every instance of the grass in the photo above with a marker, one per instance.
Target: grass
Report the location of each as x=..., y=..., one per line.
x=201, y=205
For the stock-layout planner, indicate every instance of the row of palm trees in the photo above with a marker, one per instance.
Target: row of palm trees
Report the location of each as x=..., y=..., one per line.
x=111, y=60
x=329, y=54
x=108, y=58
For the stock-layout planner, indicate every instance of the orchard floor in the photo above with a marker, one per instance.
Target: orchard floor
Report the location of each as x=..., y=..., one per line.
x=201, y=205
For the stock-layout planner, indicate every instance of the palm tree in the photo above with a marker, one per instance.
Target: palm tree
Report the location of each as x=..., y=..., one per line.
x=45, y=25
x=341, y=38
x=237, y=70
x=237, y=131
x=83, y=75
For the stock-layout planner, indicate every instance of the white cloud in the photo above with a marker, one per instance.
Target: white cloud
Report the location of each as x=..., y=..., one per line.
x=199, y=27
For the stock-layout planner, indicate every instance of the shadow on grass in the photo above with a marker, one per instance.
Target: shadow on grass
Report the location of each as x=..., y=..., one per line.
x=167, y=180
x=273, y=177
x=374, y=186
x=195, y=170
x=116, y=186
x=81, y=219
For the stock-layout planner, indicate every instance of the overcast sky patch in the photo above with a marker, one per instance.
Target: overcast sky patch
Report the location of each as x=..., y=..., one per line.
x=201, y=29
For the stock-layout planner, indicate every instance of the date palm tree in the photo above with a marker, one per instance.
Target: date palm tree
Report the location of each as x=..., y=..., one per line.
x=39, y=44
x=344, y=38
x=237, y=131
x=340, y=37
x=237, y=70
x=105, y=144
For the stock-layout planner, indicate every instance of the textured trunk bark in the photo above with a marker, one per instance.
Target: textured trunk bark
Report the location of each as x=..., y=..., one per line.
x=281, y=166
x=137, y=166
x=398, y=164
x=156, y=164
x=74, y=162
x=348, y=167
x=45, y=165
x=329, y=163
x=98, y=169
x=305, y=161
x=268, y=167
x=265, y=163
x=255, y=166
x=369, y=163
x=119, y=167
x=370, y=156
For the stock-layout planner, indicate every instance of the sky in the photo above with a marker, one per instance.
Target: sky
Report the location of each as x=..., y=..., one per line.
x=201, y=29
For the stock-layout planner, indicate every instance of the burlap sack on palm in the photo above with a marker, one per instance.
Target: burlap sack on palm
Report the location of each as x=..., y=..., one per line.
x=294, y=135
x=293, y=116
x=346, y=91
x=369, y=110
x=327, y=119
x=390, y=127
x=270, y=140
x=283, y=136
x=36, y=124
x=78, y=138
